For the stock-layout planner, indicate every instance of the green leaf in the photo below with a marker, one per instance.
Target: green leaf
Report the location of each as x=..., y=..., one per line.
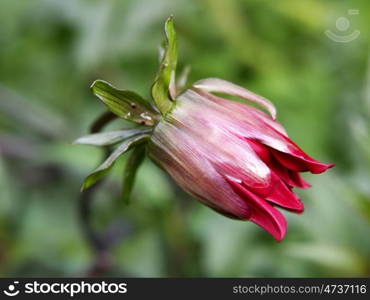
x=125, y=104
x=163, y=89
x=133, y=164
x=108, y=163
x=110, y=137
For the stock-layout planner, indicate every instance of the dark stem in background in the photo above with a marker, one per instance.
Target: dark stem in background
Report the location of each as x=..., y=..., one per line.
x=103, y=120
x=100, y=242
x=102, y=261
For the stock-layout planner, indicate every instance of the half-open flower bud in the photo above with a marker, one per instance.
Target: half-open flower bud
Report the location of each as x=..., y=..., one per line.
x=231, y=156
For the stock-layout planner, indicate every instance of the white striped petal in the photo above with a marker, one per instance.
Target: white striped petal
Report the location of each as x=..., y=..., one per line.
x=222, y=86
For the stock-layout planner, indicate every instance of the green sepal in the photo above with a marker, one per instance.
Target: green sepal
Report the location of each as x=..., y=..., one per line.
x=109, y=138
x=136, y=158
x=164, y=89
x=98, y=173
x=125, y=104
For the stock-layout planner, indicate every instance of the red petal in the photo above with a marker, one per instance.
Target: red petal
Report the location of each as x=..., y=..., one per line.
x=296, y=159
x=291, y=178
x=298, y=180
x=263, y=214
x=277, y=193
x=284, y=197
x=260, y=149
x=281, y=171
x=300, y=162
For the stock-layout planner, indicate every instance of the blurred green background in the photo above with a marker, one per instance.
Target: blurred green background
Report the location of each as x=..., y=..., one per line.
x=52, y=50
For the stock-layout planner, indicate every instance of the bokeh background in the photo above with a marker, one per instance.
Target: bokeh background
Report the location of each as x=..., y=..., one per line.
x=52, y=50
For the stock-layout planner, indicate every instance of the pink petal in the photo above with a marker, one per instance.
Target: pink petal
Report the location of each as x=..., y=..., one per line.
x=172, y=86
x=263, y=214
x=244, y=212
x=221, y=86
x=268, y=121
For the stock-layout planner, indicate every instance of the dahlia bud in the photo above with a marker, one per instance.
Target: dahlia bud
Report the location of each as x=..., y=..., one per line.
x=232, y=157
